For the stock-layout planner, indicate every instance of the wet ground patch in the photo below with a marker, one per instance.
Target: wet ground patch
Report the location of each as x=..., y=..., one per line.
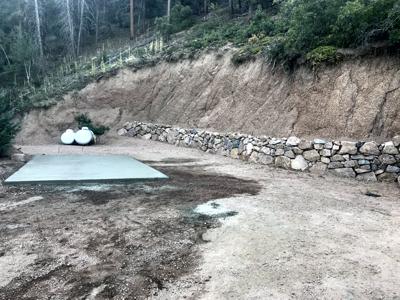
x=121, y=241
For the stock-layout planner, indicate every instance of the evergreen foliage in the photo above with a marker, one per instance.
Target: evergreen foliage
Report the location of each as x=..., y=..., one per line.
x=8, y=128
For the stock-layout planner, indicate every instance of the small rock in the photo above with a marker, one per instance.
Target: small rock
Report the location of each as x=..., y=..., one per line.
x=297, y=150
x=146, y=136
x=337, y=157
x=122, y=131
x=319, y=141
x=293, y=141
x=20, y=157
x=344, y=172
x=311, y=155
x=283, y=162
x=326, y=152
x=290, y=154
x=389, y=148
x=325, y=160
x=279, y=152
x=249, y=149
x=299, y=163
x=348, y=148
x=396, y=140
x=387, y=177
x=350, y=164
x=370, y=148
x=369, y=177
x=318, y=168
x=265, y=159
x=387, y=159
x=335, y=165
x=234, y=153
x=393, y=169
x=305, y=145
x=361, y=171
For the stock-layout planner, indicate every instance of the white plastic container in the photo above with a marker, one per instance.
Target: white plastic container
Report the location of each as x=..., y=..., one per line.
x=68, y=137
x=85, y=136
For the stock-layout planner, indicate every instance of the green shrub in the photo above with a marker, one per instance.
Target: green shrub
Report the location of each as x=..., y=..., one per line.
x=8, y=127
x=84, y=121
x=323, y=54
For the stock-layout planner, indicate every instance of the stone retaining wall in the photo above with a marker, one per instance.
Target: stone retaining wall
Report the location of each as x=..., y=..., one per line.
x=366, y=161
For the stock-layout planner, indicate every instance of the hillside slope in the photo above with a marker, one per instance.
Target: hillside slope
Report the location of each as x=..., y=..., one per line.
x=356, y=99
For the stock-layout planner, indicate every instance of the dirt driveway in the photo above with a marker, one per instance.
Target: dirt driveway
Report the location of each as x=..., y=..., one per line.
x=276, y=234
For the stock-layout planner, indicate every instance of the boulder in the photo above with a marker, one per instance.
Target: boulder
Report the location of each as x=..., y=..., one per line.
x=299, y=163
x=318, y=168
x=337, y=157
x=305, y=145
x=369, y=177
x=293, y=141
x=311, y=155
x=234, y=153
x=370, y=148
x=122, y=132
x=387, y=177
x=393, y=169
x=396, y=140
x=344, y=172
x=325, y=160
x=290, y=154
x=348, y=148
x=389, y=148
x=265, y=159
x=319, y=141
x=283, y=162
x=387, y=159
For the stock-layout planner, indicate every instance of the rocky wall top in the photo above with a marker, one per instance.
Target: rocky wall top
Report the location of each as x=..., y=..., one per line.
x=367, y=161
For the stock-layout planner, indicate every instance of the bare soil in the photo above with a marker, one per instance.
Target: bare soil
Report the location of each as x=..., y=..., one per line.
x=293, y=236
x=357, y=99
x=123, y=241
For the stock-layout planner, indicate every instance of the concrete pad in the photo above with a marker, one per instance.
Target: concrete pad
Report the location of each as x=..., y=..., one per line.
x=83, y=168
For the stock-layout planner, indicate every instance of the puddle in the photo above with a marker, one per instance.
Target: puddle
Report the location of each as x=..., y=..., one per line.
x=214, y=209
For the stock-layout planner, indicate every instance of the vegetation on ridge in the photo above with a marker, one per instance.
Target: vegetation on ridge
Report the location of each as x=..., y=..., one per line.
x=50, y=47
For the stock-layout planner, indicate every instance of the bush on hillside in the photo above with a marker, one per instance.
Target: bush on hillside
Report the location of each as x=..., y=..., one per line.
x=84, y=121
x=323, y=55
x=8, y=127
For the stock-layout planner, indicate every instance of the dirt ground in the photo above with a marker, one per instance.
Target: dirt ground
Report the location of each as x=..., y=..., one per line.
x=279, y=234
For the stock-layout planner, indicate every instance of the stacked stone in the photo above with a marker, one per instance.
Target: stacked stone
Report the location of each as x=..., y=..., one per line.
x=366, y=161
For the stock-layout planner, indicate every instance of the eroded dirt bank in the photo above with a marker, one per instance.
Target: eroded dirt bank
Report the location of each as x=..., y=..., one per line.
x=357, y=99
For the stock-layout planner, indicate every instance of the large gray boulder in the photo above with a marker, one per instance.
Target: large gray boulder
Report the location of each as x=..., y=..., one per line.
x=311, y=155
x=283, y=162
x=348, y=148
x=370, y=148
x=299, y=163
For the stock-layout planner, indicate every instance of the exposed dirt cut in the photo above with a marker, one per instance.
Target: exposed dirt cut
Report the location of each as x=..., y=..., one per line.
x=356, y=99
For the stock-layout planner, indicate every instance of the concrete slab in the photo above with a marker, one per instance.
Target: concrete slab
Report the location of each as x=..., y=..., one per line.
x=83, y=168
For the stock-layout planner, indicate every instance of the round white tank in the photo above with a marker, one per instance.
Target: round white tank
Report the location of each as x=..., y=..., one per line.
x=84, y=136
x=68, y=137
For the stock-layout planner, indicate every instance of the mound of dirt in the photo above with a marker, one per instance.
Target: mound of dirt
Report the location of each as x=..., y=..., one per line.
x=356, y=99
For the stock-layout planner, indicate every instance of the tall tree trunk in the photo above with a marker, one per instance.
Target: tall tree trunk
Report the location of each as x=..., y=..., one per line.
x=132, y=20
x=82, y=10
x=205, y=7
x=97, y=22
x=70, y=27
x=231, y=7
x=38, y=31
x=169, y=9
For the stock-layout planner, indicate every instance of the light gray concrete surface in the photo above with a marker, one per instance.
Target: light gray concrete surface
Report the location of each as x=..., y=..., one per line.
x=83, y=168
